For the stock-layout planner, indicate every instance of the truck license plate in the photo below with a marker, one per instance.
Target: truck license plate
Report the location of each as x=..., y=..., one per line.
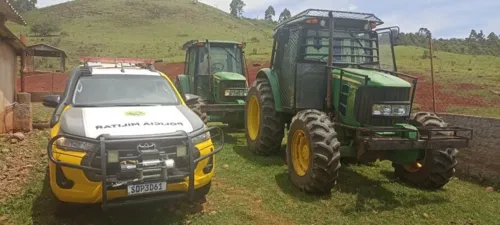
x=137, y=189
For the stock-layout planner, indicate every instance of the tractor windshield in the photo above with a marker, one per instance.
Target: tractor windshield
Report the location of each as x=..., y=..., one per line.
x=349, y=47
x=223, y=59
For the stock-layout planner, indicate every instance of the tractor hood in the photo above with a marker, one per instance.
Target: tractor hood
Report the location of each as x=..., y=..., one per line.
x=376, y=78
x=228, y=76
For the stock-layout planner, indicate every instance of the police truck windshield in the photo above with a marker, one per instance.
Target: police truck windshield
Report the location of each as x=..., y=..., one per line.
x=124, y=90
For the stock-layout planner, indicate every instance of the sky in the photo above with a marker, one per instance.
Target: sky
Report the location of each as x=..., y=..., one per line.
x=444, y=18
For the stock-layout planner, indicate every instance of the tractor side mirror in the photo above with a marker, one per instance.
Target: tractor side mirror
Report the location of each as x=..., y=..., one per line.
x=51, y=101
x=191, y=99
x=395, y=38
x=283, y=35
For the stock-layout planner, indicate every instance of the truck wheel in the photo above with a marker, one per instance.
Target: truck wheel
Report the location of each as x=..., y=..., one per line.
x=264, y=127
x=200, y=193
x=197, y=109
x=437, y=166
x=313, y=152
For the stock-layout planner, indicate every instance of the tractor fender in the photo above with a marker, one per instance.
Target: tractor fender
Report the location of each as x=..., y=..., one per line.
x=182, y=81
x=272, y=77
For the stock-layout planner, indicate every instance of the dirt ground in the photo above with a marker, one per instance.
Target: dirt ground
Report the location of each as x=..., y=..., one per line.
x=55, y=82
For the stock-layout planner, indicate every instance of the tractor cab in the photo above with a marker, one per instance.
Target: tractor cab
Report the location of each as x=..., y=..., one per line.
x=219, y=65
x=216, y=72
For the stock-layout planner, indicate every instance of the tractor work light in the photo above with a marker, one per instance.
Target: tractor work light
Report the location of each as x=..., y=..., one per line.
x=312, y=21
x=235, y=92
x=390, y=110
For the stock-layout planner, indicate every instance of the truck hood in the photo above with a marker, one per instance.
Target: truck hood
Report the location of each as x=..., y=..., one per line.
x=228, y=76
x=376, y=78
x=124, y=121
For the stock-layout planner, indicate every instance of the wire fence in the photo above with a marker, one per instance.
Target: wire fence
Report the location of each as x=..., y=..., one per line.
x=459, y=84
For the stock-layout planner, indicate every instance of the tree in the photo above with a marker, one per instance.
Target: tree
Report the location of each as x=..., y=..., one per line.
x=270, y=13
x=285, y=15
x=236, y=7
x=45, y=28
x=24, y=5
x=473, y=35
x=480, y=36
x=492, y=37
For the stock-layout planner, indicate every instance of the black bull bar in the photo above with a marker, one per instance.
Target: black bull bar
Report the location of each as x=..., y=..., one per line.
x=103, y=140
x=427, y=138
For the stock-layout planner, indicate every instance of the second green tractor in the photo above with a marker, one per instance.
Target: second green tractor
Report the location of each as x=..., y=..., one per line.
x=216, y=72
x=333, y=83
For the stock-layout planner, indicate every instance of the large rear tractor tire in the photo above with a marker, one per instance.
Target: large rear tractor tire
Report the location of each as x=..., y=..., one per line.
x=313, y=152
x=264, y=127
x=197, y=109
x=437, y=166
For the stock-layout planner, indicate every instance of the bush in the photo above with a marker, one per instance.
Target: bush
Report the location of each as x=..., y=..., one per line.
x=254, y=40
x=45, y=28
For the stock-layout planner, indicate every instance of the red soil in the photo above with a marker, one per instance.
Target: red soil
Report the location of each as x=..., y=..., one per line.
x=423, y=95
x=55, y=82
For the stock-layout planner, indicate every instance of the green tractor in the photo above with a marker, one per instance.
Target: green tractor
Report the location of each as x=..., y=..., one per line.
x=334, y=85
x=216, y=72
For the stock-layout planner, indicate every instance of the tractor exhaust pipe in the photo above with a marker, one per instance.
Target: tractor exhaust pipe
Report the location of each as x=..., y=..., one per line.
x=329, y=64
x=207, y=46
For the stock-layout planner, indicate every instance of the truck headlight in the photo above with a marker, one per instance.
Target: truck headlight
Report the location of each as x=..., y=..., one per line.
x=390, y=110
x=74, y=145
x=202, y=137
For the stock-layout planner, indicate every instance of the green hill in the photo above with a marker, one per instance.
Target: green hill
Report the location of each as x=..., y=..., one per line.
x=158, y=28
x=135, y=28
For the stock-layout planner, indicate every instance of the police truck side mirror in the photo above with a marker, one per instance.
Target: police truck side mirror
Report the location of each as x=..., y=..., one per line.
x=191, y=99
x=51, y=101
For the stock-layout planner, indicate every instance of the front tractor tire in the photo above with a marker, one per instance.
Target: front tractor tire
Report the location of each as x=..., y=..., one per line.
x=264, y=127
x=313, y=152
x=437, y=166
x=196, y=107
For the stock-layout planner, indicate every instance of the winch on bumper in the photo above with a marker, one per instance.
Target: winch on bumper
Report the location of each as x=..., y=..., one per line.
x=134, y=169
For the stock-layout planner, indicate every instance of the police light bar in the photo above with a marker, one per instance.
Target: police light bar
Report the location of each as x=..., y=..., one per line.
x=87, y=59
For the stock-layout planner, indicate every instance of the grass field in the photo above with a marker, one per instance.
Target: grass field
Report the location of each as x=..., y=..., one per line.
x=249, y=189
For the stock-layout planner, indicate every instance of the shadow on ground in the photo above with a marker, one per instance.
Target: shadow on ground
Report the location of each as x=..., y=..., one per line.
x=44, y=212
x=276, y=159
x=371, y=195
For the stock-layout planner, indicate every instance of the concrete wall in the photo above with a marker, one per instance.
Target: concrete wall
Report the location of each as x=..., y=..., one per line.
x=482, y=159
x=7, y=85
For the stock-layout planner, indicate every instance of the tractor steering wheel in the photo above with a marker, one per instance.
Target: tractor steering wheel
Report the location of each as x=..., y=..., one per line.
x=218, y=66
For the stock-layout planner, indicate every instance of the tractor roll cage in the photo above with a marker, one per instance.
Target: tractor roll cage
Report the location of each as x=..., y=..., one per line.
x=106, y=179
x=336, y=14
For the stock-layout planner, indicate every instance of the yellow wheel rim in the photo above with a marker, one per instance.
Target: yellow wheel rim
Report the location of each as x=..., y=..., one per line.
x=300, y=152
x=414, y=166
x=253, y=118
